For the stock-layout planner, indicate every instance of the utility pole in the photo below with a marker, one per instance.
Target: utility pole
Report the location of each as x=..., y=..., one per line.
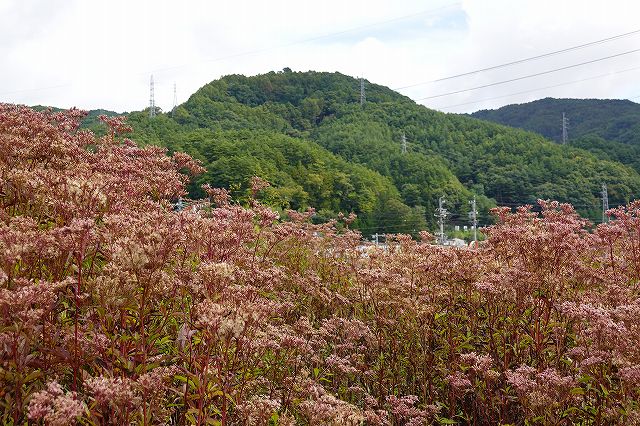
x=152, y=102
x=565, y=127
x=605, y=202
x=441, y=214
x=473, y=215
x=404, y=143
x=363, y=96
x=175, y=101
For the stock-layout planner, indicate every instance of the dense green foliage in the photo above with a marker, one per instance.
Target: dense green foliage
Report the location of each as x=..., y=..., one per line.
x=448, y=154
x=628, y=154
x=610, y=119
x=302, y=173
x=608, y=128
x=308, y=135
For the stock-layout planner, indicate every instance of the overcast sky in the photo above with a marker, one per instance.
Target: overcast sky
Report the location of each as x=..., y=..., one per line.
x=100, y=54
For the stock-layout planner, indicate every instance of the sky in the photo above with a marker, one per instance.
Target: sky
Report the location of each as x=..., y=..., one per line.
x=101, y=54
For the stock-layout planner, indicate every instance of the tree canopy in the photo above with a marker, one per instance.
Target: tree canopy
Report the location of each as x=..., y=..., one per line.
x=307, y=134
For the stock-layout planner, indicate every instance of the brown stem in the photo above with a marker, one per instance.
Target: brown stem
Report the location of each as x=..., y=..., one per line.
x=75, y=324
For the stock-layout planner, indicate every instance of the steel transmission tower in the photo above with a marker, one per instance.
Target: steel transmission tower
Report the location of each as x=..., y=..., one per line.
x=363, y=96
x=565, y=128
x=441, y=214
x=605, y=202
x=175, y=101
x=152, y=101
x=404, y=143
x=473, y=215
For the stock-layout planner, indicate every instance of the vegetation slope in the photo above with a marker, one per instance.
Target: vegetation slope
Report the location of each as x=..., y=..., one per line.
x=608, y=128
x=307, y=134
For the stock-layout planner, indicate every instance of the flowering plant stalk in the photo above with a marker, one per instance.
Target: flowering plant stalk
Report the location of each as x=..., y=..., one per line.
x=116, y=309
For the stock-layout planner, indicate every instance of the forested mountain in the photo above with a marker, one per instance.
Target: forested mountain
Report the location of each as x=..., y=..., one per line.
x=609, y=128
x=610, y=119
x=308, y=135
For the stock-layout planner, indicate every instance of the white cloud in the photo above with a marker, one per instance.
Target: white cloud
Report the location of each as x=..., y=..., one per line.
x=102, y=53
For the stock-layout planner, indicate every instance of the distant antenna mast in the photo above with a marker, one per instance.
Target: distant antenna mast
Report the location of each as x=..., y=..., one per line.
x=175, y=100
x=363, y=96
x=404, y=143
x=473, y=215
x=441, y=214
x=605, y=202
x=152, y=102
x=565, y=127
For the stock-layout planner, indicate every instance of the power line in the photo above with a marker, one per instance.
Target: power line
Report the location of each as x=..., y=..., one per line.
x=520, y=61
x=533, y=204
x=543, y=88
x=36, y=89
x=391, y=225
x=426, y=12
x=528, y=76
x=320, y=37
x=460, y=218
x=440, y=79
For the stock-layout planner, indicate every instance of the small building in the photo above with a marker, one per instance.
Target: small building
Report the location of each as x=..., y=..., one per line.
x=455, y=242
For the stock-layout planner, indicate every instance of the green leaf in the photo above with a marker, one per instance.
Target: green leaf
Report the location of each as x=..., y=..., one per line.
x=577, y=391
x=440, y=315
x=32, y=376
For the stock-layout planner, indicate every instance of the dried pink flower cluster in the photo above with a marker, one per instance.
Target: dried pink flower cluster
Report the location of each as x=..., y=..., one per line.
x=56, y=407
x=118, y=310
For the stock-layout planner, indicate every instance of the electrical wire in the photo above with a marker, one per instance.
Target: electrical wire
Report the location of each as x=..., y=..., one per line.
x=543, y=88
x=520, y=61
x=308, y=40
x=453, y=218
x=37, y=89
x=266, y=49
x=529, y=76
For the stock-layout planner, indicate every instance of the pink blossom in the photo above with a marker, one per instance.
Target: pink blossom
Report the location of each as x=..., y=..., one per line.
x=55, y=407
x=458, y=381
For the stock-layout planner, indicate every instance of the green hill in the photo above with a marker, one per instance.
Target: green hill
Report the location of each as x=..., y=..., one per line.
x=302, y=173
x=608, y=128
x=610, y=119
x=307, y=134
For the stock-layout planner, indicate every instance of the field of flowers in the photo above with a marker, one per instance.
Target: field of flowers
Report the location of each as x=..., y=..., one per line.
x=116, y=309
